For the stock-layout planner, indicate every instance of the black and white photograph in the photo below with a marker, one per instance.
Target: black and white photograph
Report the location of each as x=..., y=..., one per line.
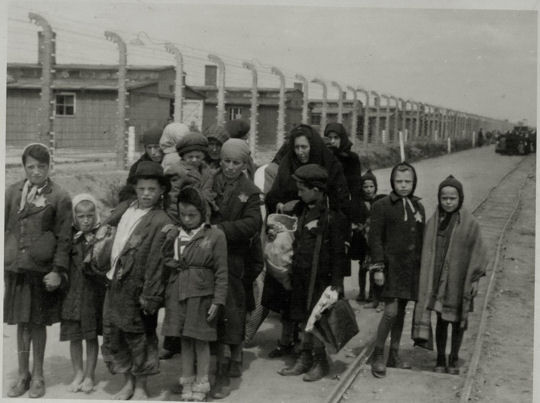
x=304, y=201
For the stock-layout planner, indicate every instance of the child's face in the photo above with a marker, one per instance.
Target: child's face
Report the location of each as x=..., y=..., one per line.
x=154, y=152
x=194, y=158
x=36, y=172
x=190, y=216
x=85, y=216
x=403, y=183
x=308, y=195
x=232, y=168
x=214, y=149
x=449, y=199
x=148, y=192
x=368, y=187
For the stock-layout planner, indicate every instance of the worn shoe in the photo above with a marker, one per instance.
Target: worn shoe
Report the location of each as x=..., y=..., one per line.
x=20, y=387
x=453, y=365
x=440, y=368
x=371, y=305
x=378, y=368
x=302, y=365
x=165, y=354
x=395, y=361
x=320, y=368
x=200, y=390
x=222, y=387
x=281, y=350
x=37, y=388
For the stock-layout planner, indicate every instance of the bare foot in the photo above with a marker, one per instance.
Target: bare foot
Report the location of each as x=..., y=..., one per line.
x=75, y=386
x=87, y=385
x=140, y=393
x=125, y=393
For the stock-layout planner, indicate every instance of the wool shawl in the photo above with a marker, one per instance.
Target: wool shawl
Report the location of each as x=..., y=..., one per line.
x=466, y=256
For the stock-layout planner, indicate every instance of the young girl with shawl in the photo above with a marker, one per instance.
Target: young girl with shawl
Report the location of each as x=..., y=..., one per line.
x=453, y=260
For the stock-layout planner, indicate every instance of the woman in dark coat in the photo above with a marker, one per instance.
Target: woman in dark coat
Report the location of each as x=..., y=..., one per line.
x=239, y=217
x=37, y=242
x=340, y=145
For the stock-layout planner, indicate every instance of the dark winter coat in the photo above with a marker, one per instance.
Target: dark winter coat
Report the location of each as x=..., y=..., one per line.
x=332, y=256
x=138, y=281
x=352, y=170
x=38, y=238
x=397, y=243
x=239, y=217
x=284, y=187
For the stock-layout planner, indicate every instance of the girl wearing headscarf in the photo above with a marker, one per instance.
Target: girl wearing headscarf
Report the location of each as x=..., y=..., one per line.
x=82, y=308
x=37, y=242
x=239, y=217
x=454, y=258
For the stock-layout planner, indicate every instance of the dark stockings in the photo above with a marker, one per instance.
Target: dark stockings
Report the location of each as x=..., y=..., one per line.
x=391, y=322
x=441, y=337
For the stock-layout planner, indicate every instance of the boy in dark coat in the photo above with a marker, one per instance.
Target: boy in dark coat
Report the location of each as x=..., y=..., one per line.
x=316, y=219
x=395, y=242
x=152, y=152
x=136, y=287
x=239, y=217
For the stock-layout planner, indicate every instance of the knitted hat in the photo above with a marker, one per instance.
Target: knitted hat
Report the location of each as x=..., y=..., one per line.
x=151, y=136
x=190, y=195
x=312, y=175
x=235, y=149
x=217, y=133
x=172, y=134
x=400, y=167
x=193, y=141
x=452, y=182
x=369, y=176
x=237, y=128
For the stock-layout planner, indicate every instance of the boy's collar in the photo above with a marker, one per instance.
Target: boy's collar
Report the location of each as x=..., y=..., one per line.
x=394, y=197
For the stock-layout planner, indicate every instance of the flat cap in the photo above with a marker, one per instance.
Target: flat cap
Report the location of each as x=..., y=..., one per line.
x=312, y=174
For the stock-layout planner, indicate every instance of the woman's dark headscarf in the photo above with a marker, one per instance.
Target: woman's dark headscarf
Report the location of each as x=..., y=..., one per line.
x=318, y=152
x=345, y=143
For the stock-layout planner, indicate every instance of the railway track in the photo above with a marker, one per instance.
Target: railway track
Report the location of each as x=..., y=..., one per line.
x=495, y=213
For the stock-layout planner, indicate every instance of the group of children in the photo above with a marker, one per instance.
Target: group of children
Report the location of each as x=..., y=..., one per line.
x=179, y=239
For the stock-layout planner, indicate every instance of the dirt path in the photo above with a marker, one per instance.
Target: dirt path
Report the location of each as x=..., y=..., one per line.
x=506, y=364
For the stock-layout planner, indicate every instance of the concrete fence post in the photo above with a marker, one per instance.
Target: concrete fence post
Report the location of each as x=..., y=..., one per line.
x=220, y=118
x=340, y=101
x=121, y=131
x=131, y=145
x=178, y=82
x=354, y=117
x=281, y=107
x=366, y=113
x=396, y=119
x=449, y=145
x=386, y=118
x=46, y=107
x=324, y=110
x=378, y=134
x=305, y=100
x=253, y=133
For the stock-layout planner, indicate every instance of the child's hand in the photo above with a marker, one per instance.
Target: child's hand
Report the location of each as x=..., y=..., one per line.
x=52, y=281
x=212, y=312
x=378, y=277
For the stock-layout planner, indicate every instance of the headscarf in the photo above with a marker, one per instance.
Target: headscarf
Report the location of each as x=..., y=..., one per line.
x=318, y=152
x=172, y=134
x=75, y=202
x=446, y=217
x=235, y=149
x=217, y=132
x=345, y=144
x=151, y=136
x=237, y=128
x=406, y=199
x=369, y=176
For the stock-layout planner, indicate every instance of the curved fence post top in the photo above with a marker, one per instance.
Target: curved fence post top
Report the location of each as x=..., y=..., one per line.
x=39, y=20
x=171, y=48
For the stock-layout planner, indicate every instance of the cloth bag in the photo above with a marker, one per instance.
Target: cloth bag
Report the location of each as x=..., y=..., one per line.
x=279, y=252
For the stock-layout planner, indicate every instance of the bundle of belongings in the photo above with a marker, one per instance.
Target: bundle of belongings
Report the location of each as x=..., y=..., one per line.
x=278, y=252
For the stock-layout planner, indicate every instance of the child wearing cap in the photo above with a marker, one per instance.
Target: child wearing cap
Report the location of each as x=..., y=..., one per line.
x=368, y=182
x=395, y=243
x=321, y=230
x=82, y=308
x=239, y=217
x=454, y=258
x=136, y=287
x=172, y=134
x=152, y=152
x=197, y=286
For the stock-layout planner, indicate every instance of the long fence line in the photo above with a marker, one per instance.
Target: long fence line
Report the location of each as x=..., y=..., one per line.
x=415, y=120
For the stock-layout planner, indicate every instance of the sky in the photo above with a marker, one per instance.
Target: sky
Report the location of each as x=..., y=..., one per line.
x=480, y=61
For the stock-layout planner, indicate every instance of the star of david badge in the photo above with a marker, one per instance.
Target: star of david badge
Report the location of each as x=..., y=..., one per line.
x=243, y=197
x=418, y=216
x=312, y=224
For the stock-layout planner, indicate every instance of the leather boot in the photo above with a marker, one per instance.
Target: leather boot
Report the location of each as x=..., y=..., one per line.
x=394, y=360
x=320, y=368
x=441, y=364
x=302, y=365
x=378, y=368
x=222, y=388
x=453, y=367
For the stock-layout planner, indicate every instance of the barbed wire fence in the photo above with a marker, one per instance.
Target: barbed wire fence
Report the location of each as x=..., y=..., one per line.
x=371, y=121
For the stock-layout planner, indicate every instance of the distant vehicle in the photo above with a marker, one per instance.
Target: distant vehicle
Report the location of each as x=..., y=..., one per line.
x=521, y=141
